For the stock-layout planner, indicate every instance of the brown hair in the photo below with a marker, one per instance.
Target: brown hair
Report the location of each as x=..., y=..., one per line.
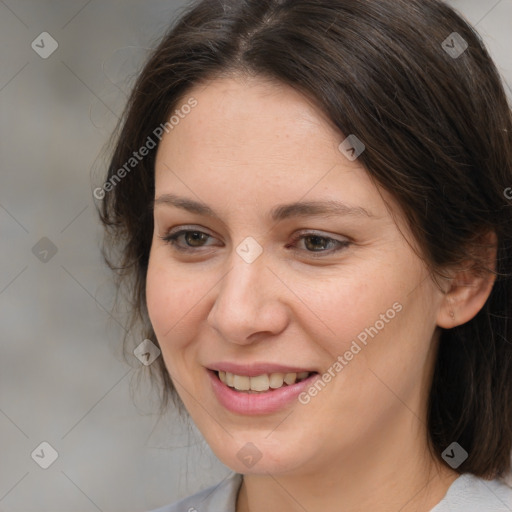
x=437, y=131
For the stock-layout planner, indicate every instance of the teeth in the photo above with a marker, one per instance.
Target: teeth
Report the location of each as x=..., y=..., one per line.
x=261, y=382
x=242, y=383
x=290, y=378
x=276, y=380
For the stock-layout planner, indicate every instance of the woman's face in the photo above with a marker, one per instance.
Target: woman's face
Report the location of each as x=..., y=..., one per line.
x=291, y=263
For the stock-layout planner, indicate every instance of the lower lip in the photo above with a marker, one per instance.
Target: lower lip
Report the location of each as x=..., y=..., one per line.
x=257, y=403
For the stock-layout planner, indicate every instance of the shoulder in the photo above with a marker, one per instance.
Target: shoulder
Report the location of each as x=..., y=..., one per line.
x=218, y=498
x=469, y=493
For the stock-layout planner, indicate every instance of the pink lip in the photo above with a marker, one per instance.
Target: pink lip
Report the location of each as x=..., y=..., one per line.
x=255, y=369
x=257, y=403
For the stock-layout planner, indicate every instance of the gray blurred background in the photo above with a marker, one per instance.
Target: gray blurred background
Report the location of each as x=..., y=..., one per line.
x=63, y=380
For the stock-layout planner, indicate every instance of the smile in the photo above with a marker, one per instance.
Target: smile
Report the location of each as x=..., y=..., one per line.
x=258, y=393
x=261, y=383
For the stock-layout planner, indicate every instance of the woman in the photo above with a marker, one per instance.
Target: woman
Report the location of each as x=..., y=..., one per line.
x=309, y=202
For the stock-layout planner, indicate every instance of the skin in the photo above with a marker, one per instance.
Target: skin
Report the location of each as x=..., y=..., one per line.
x=361, y=443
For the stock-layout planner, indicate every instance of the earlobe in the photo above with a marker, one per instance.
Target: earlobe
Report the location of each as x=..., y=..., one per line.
x=469, y=289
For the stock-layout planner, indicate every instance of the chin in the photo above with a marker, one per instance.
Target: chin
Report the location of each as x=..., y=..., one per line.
x=251, y=454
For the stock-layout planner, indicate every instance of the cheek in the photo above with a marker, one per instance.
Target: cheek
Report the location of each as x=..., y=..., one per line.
x=344, y=306
x=172, y=301
x=372, y=322
x=173, y=306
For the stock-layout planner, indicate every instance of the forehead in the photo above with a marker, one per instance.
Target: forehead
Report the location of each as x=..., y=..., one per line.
x=243, y=114
x=249, y=140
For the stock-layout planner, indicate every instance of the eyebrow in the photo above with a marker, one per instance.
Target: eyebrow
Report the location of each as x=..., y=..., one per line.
x=278, y=213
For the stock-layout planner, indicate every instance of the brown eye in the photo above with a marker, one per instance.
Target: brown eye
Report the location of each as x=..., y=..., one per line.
x=192, y=239
x=195, y=238
x=316, y=245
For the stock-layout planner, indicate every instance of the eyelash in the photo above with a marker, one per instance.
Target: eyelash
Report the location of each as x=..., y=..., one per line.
x=171, y=239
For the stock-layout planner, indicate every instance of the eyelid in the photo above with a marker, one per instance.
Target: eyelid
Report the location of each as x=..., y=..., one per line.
x=321, y=234
x=188, y=227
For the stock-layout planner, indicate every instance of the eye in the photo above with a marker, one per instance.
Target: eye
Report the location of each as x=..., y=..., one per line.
x=193, y=238
x=315, y=243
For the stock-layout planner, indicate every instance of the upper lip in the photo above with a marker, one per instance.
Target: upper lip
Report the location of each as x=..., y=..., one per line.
x=255, y=369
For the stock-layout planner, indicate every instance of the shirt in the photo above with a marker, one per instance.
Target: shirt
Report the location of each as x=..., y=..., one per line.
x=467, y=493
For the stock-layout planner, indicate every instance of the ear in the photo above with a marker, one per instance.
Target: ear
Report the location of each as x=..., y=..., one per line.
x=469, y=287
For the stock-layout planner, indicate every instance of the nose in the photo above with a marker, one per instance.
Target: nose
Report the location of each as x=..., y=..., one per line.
x=250, y=304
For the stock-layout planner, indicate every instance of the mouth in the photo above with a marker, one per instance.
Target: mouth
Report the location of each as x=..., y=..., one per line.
x=264, y=383
x=259, y=393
